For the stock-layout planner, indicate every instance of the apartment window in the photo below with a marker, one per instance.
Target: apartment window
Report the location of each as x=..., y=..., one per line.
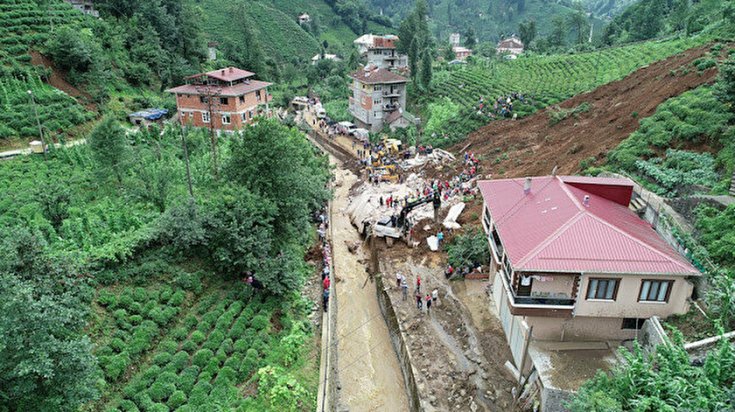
x=378, y=87
x=604, y=289
x=205, y=117
x=376, y=101
x=655, y=290
x=242, y=99
x=224, y=101
x=632, y=323
x=251, y=114
x=244, y=116
x=226, y=119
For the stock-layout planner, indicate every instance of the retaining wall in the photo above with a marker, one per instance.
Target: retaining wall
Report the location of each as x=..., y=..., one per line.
x=399, y=344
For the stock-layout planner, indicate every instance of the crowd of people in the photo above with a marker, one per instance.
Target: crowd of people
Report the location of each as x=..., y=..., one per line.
x=422, y=300
x=326, y=258
x=500, y=107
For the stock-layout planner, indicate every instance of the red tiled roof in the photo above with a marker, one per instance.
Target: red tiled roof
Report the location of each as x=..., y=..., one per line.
x=551, y=230
x=228, y=74
x=377, y=76
x=236, y=90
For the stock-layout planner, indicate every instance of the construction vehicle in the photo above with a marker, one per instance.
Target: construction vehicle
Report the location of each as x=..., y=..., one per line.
x=396, y=227
x=392, y=146
x=386, y=173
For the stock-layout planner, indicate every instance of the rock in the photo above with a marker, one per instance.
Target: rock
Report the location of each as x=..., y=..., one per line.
x=473, y=406
x=432, y=400
x=484, y=375
x=462, y=392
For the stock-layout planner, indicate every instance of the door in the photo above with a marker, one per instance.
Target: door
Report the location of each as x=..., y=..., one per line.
x=524, y=286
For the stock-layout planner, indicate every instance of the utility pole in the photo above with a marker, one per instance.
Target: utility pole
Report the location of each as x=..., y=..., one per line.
x=186, y=160
x=519, y=386
x=38, y=122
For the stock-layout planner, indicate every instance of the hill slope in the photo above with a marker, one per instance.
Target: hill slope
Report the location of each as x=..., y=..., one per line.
x=533, y=146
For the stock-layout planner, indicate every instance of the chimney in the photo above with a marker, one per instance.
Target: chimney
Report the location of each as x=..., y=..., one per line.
x=223, y=72
x=232, y=69
x=586, y=201
x=527, y=186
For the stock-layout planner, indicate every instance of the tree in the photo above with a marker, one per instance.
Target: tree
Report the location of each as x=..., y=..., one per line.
x=578, y=22
x=558, y=32
x=725, y=88
x=426, y=73
x=486, y=49
x=449, y=53
x=110, y=148
x=413, y=56
x=470, y=39
x=469, y=249
x=527, y=32
x=72, y=49
x=54, y=200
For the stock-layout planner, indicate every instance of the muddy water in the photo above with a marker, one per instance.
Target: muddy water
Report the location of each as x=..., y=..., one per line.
x=369, y=373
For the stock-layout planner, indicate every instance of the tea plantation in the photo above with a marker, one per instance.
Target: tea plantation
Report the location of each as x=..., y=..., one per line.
x=551, y=79
x=24, y=26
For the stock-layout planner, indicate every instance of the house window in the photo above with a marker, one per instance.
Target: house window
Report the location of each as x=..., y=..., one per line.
x=203, y=99
x=376, y=101
x=632, y=323
x=251, y=114
x=242, y=99
x=205, y=117
x=655, y=291
x=244, y=116
x=603, y=289
x=226, y=119
x=378, y=87
x=224, y=101
x=257, y=95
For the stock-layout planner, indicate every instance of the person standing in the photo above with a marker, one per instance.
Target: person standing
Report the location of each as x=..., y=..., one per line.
x=428, y=303
x=404, y=288
x=440, y=238
x=325, y=299
x=326, y=283
x=419, y=301
x=418, y=283
x=399, y=277
x=435, y=295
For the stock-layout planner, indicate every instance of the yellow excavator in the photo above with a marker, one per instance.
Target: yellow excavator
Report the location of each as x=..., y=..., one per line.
x=385, y=173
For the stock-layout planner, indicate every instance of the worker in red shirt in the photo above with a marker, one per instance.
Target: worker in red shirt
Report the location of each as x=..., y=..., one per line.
x=326, y=282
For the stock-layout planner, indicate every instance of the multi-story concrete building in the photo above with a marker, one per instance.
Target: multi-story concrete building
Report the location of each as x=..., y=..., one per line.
x=380, y=51
x=225, y=99
x=511, y=47
x=378, y=99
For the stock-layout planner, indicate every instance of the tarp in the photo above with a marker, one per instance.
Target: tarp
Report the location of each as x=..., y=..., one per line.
x=450, y=222
x=150, y=114
x=433, y=243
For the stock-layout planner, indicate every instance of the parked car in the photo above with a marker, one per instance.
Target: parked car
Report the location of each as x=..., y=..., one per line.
x=362, y=134
x=346, y=128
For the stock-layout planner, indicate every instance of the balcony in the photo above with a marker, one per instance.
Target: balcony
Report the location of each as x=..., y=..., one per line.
x=553, y=298
x=390, y=107
x=391, y=57
x=391, y=94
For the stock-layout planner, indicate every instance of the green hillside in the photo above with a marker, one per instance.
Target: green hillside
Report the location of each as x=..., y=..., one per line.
x=489, y=20
x=552, y=78
x=25, y=27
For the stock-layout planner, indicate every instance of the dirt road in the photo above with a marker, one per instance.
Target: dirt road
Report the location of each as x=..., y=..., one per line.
x=370, y=377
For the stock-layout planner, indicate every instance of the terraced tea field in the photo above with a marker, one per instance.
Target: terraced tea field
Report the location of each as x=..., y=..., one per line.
x=551, y=79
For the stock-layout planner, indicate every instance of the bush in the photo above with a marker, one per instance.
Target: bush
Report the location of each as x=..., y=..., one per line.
x=162, y=359
x=469, y=249
x=215, y=340
x=159, y=407
x=128, y=406
x=188, y=378
x=178, y=298
x=169, y=346
x=202, y=357
x=117, y=344
x=198, y=337
x=107, y=298
x=117, y=365
x=180, y=360
x=160, y=391
x=176, y=399
x=136, y=319
x=189, y=346
x=260, y=322
x=200, y=393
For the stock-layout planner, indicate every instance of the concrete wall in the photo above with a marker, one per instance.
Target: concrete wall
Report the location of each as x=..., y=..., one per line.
x=553, y=400
x=626, y=304
x=578, y=329
x=652, y=334
x=559, y=287
x=395, y=331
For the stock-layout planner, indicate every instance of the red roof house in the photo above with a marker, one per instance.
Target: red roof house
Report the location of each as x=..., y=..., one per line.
x=569, y=247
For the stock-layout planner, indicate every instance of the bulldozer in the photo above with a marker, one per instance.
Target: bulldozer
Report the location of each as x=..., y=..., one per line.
x=386, y=173
x=397, y=227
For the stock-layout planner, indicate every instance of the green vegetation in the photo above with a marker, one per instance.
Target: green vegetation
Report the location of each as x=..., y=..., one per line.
x=695, y=118
x=557, y=114
x=666, y=382
x=469, y=249
x=551, y=79
x=104, y=245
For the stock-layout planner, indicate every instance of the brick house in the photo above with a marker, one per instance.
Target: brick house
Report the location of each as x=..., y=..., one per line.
x=571, y=259
x=378, y=98
x=461, y=53
x=85, y=6
x=512, y=46
x=226, y=99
